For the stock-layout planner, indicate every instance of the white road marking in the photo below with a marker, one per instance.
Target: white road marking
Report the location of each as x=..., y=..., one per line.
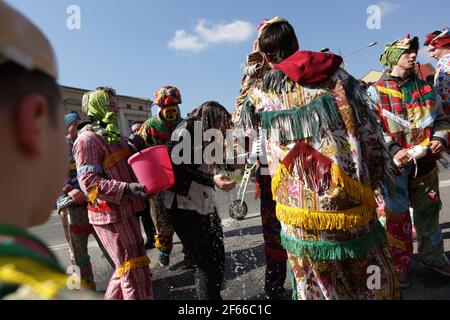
x=444, y=184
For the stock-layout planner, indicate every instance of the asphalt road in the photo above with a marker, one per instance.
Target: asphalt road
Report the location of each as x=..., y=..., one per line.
x=245, y=262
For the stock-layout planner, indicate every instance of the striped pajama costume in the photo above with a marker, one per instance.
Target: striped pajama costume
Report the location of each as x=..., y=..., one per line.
x=103, y=174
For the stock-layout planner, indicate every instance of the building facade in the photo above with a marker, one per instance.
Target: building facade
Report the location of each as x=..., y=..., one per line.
x=130, y=108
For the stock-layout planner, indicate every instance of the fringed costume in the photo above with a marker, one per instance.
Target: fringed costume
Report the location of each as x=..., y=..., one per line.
x=326, y=156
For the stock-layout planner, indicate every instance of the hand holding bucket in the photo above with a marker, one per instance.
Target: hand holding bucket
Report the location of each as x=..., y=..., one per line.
x=153, y=169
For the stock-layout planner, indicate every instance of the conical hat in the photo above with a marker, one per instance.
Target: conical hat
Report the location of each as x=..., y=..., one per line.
x=23, y=43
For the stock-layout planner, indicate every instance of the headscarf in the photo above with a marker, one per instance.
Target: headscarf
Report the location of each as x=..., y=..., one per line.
x=439, y=38
x=96, y=105
x=71, y=117
x=394, y=50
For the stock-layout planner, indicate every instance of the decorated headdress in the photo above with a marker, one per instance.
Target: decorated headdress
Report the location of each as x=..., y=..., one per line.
x=394, y=50
x=167, y=96
x=439, y=38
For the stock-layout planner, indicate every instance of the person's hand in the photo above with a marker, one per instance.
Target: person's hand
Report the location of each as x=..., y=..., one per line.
x=137, y=142
x=402, y=157
x=436, y=147
x=137, y=190
x=77, y=196
x=224, y=182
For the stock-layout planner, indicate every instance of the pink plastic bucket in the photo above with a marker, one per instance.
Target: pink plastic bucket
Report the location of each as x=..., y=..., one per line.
x=153, y=169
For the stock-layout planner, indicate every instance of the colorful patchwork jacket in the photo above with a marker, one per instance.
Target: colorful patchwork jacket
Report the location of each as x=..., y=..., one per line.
x=326, y=155
x=156, y=131
x=103, y=173
x=409, y=112
x=30, y=271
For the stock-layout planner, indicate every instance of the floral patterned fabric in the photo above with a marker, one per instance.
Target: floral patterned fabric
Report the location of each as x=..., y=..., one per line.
x=319, y=142
x=442, y=82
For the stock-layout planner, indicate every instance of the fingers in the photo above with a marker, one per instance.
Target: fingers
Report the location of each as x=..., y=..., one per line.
x=228, y=185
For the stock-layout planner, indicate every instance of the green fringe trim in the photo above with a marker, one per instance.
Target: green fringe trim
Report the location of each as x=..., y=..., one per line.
x=305, y=122
x=335, y=250
x=248, y=117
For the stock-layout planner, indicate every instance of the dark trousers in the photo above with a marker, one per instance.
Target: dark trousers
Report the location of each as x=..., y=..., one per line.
x=202, y=236
x=275, y=254
x=147, y=222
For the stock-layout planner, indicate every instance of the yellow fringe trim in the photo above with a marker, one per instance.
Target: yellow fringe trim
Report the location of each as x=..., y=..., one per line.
x=138, y=262
x=281, y=172
x=325, y=220
x=115, y=157
x=353, y=188
x=391, y=92
x=25, y=272
x=395, y=242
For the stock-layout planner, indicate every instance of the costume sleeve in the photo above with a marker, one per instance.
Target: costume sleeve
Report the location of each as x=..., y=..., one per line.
x=392, y=145
x=90, y=174
x=441, y=124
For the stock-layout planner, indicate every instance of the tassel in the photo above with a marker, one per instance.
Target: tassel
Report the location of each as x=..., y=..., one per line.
x=139, y=262
x=335, y=250
x=353, y=188
x=325, y=220
x=276, y=179
x=301, y=123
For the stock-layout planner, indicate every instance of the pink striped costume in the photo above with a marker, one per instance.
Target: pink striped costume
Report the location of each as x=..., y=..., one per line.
x=103, y=174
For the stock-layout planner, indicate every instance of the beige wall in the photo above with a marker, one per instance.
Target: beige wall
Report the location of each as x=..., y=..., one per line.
x=130, y=108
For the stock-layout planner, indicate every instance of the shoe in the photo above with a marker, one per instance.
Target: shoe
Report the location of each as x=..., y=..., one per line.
x=444, y=269
x=403, y=280
x=164, y=259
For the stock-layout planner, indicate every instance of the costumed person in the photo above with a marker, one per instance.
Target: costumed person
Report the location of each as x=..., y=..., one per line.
x=72, y=209
x=114, y=196
x=158, y=131
x=438, y=43
x=275, y=254
x=32, y=138
x=190, y=202
x=326, y=156
x=412, y=117
x=145, y=216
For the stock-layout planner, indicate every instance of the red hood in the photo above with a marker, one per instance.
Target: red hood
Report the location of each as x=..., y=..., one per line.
x=308, y=67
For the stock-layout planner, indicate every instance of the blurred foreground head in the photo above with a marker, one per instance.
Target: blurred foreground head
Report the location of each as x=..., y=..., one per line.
x=33, y=163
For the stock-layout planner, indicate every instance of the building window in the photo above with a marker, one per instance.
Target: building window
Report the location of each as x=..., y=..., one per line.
x=141, y=108
x=128, y=106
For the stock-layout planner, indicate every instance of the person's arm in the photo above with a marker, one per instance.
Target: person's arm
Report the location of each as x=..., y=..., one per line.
x=90, y=173
x=441, y=124
x=392, y=145
x=189, y=172
x=373, y=138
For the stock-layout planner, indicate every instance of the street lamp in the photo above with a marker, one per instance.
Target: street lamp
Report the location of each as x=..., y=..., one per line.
x=356, y=51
